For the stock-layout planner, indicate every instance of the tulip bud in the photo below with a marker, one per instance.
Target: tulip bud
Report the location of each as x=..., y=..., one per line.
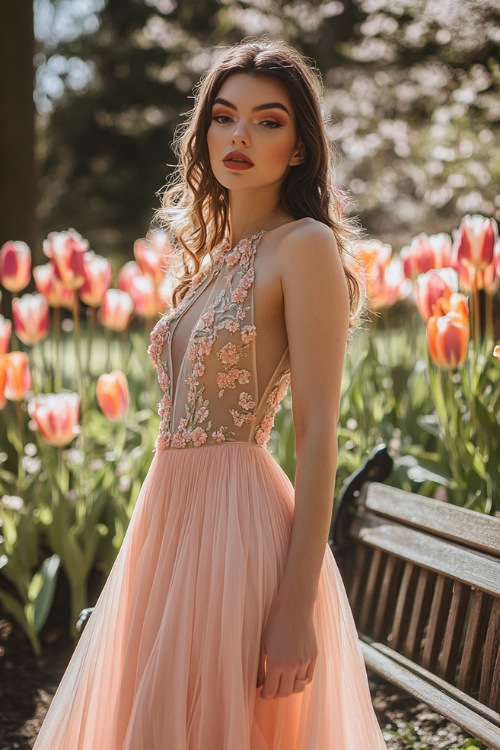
x=148, y=260
x=145, y=295
x=113, y=394
x=97, y=272
x=66, y=250
x=475, y=243
x=15, y=266
x=430, y=286
x=127, y=273
x=52, y=288
x=116, y=310
x=447, y=340
x=5, y=334
x=56, y=416
x=17, y=375
x=31, y=317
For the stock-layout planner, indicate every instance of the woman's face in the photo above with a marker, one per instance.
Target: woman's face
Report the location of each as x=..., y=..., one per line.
x=252, y=139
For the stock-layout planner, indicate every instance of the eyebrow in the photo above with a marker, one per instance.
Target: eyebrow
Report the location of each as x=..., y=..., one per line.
x=259, y=108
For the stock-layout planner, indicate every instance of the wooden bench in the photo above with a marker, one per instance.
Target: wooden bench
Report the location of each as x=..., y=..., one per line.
x=423, y=581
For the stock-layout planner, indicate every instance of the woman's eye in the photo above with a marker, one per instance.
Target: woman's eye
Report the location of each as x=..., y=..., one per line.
x=271, y=124
x=221, y=118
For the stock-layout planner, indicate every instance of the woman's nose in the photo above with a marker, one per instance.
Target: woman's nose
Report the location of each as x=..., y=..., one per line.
x=240, y=134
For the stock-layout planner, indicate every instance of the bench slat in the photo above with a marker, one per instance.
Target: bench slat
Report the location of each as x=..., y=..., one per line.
x=454, y=629
x=403, y=604
x=387, y=594
x=436, y=554
x=491, y=647
x=371, y=589
x=476, y=627
x=420, y=609
x=466, y=526
x=456, y=706
x=438, y=616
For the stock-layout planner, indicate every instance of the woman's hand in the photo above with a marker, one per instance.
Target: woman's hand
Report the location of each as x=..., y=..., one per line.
x=288, y=651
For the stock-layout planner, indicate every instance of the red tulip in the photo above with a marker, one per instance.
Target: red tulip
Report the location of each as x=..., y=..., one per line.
x=426, y=252
x=430, y=286
x=97, y=271
x=127, y=273
x=66, y=250
x=56, y=416
x=475, y=242
x=149, y=260
x=5, y=333
x=113, y=394
x=145, y=295
x=31, y=317
x=447, y=340
x=47, y=283
x=456, y=303
x=17, y=375
x=116, y=310
x=15, y=266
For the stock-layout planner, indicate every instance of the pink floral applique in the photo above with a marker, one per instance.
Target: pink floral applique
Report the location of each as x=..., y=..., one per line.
x=263, y=432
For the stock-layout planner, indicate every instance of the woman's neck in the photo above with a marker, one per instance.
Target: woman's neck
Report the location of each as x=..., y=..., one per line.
x=250, y=214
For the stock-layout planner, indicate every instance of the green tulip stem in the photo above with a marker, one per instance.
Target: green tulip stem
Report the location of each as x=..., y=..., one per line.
x=92, y=314
x=58, y=364
x=20, y=446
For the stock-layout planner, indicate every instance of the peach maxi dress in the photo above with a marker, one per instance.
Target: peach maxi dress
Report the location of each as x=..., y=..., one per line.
x=168, y=659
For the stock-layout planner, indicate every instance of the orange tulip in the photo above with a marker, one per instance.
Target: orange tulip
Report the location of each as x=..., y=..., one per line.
x=17, y=375
x=146, y=296
x=66, y=250
x=475, y=242
x=31, y=317
x=374, y=257
x=425, y=253
x=116, y=310
x=430, y=286
x=5, y=333
x=456, y=303
x=149, y=260
x=15, y=266
x=3, y=375
x=56, y=416
x=393, y=286
x=47, y=283
x=113, y=394
x=97, y=272
x=447, y=340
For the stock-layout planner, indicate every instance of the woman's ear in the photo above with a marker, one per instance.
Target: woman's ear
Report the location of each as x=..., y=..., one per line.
x=298, y=155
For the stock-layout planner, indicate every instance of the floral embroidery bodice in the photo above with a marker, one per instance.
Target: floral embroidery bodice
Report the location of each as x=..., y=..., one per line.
x=205, y=353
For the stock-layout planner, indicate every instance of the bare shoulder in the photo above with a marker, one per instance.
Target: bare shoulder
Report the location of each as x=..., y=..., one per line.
x=308, y=247
x=306, y=234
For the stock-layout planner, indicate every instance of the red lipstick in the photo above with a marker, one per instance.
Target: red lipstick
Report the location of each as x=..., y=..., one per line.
x=237, y=160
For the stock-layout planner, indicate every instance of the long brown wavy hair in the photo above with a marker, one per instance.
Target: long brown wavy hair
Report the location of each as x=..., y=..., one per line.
x=194, y=205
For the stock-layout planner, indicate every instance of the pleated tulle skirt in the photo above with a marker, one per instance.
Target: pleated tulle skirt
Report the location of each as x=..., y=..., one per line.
x=168, y=659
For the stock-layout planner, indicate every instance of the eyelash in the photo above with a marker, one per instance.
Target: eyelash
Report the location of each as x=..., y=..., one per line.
x=225, y=118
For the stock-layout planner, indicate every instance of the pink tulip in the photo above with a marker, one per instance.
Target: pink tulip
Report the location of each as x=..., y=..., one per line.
x=487, y=278
x=3, y=375
x=31, y=317
x=496, y=352
x=113, y=394
x=145, y=295
x=116, y=310
x=456, y=303
x=475, y=242
x=160, y=241
x=5, y=334
x=393, y=286
x=448, y=340
x=426, y=252
x=149, y=260
x=56, y=416
x=127, y=273
x=430, y=286
x=165, y=292
x=97, y=271
x=17, y=375
x=66, y=250
x=15, y=266
x=47, y=283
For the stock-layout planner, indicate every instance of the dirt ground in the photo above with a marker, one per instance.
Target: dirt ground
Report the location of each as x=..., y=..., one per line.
x=27, y=685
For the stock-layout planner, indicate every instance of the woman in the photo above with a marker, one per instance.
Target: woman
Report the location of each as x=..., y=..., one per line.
x=224, y=624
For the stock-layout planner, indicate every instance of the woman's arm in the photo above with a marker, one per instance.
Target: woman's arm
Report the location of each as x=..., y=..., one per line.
x=317, y=320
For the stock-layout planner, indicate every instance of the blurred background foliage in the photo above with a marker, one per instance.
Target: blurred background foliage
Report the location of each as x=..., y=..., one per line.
x=411, y=96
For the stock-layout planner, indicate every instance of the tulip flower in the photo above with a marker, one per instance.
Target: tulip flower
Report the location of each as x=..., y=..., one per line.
x=160, y=241
x=475, y=242
x=5, y=333
x=456, y=303
x=496, y=352
x=447, y=340
x=31, y=317
x=145, y=295
x=127, y=273
x=425, y=253
x=17, y=375
x=148, y=260
x=116, y=310
x=56, y=416
x=47, y=283
x=374, y=257
x=97, y=272
x=430, y=286
x=113, y=394
x=66, y=250
x=3, y=375
x=15, y=266
x=393, y=286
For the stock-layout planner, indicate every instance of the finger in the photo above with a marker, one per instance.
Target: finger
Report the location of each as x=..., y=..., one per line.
x=300, y=683
x=271, y=683
x=310, y=669
x=261, y=670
